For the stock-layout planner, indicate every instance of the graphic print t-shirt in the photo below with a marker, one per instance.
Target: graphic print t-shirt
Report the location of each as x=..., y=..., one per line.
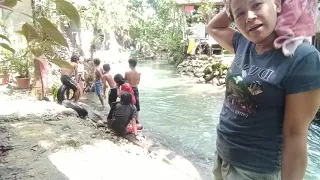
x=249, y=134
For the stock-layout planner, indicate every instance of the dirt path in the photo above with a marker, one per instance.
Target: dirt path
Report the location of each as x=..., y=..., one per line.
x=48, y=143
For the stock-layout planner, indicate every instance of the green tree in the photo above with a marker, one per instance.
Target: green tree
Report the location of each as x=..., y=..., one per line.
x=161, y=30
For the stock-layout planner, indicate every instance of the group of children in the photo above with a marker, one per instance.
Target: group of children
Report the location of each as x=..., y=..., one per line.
x=123, y=112
x=123, y=115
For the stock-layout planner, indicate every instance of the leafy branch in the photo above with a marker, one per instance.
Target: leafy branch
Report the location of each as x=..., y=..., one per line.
x=35, y=41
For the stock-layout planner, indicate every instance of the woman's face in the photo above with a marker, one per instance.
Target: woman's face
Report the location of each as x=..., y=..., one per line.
x=255, y=19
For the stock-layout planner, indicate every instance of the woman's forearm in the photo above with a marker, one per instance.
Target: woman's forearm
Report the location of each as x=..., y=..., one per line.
x=221, y=20
x=294, y=157
x=134, y=126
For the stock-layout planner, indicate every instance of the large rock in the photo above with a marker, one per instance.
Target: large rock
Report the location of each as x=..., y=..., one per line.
x=201, y=80
x=198, y=74
x=22, y=106
x=80, y=110
x=190, y=69
x=207, y=69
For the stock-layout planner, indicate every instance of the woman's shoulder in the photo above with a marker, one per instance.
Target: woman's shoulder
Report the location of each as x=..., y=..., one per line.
x=304, y=50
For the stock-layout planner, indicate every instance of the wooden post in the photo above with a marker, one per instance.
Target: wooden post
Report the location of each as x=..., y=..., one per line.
x=36, y=85
x=38, y=89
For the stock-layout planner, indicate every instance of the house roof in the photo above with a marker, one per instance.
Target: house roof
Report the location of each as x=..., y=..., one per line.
x=189, y=2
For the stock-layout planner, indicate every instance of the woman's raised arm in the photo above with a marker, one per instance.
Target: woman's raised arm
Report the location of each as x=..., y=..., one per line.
x=218, y=28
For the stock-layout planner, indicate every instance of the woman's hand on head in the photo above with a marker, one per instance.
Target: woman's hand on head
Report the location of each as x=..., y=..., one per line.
x=218, y=28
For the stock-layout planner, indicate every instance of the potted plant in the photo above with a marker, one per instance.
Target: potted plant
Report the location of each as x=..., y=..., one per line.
x=21, y=65
x=4, y=66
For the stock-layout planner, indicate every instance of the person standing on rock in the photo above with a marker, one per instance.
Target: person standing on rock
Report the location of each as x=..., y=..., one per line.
x=107, y=78
x=66, y=78
x=133, y=78
x=98, y=72
x=123, y=86
x=270, y=98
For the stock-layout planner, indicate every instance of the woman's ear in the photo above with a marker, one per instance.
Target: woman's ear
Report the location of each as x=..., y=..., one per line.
x=277, y=5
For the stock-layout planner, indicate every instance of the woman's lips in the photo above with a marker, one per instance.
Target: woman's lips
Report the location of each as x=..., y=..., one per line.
x=255, y=27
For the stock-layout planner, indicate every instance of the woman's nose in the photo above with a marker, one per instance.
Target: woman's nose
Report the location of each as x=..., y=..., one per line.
x=251, y=16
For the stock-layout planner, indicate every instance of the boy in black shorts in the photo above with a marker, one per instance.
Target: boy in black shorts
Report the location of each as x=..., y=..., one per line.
x=66, y=79
x=107, y=78
x=133, y=78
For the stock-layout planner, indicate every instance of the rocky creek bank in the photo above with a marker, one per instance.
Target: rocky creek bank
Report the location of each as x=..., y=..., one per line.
x=43, y=140
x=207, y=69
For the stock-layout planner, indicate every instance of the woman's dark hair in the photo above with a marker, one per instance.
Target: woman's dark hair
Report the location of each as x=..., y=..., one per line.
x=125, y=98
x=118, y=78
x=75, y=58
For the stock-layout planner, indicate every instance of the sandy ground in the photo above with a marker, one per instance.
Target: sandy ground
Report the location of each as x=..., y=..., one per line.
x=45, y=141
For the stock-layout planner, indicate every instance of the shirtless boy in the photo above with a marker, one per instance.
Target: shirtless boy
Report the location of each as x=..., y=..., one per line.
x=133, y=78
x=98, y=72
x=66, y=79
x=107, y=78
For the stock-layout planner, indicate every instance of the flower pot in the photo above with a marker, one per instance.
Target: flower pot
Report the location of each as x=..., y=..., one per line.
x=4, y=78
x=23, y=83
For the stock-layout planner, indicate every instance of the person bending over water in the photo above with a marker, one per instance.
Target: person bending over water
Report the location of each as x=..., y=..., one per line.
x=67, y=80
x=123, y=113
x=107, y=78
x=98, y=72
x=270, y=98
x=133, y=78
x=123, y=86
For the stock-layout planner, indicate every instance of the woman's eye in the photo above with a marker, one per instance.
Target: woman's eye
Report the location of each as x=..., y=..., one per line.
x=240, y=14
x=255, y=6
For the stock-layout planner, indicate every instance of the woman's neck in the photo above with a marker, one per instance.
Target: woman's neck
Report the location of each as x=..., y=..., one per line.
x=266, y=45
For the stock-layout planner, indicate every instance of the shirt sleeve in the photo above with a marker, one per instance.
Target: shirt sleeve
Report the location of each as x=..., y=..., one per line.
x=304, y=74
x=236, y=40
